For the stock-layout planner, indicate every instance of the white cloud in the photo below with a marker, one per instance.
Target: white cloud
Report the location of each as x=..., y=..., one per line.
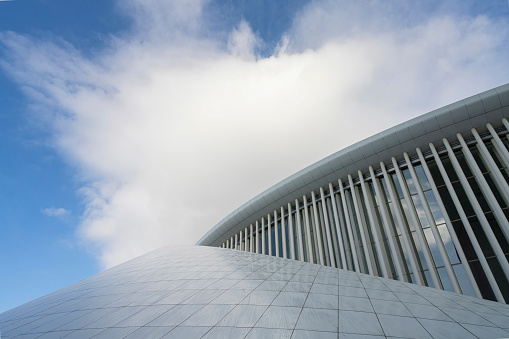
x=55, y=212
x=172, y=131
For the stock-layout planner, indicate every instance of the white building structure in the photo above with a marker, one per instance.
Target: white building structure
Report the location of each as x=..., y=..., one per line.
x=423, y=202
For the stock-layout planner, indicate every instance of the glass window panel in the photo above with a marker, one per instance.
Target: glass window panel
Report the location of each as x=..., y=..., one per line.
x=482, y=281
x=447, y=201
x=446, y=282
x=410, y=182
x=500, y=278
x=427, y=276
x=449, y=245
x=464, y=201
x=435, y=208
x=463, y=164
x=397, y=186
x=461, y=276
x=420, y=211
x=421, y=176
x=451, y=173
x=408, y=217
x=433, y=247
x=481, y=237
x=464, y=240
x=435, y=172
x=418, y=247
x=478, y=159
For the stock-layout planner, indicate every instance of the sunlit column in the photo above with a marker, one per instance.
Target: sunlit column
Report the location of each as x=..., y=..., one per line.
x=290, y=232
x=497, y=176
x=386, y=222
x=276, y=233
x=269, y=234
x=349, y=227
x=485, y=188
x=317, y=230
x=478, y=210
x=308, y=230
x=418, y=231
x=468, y=228
x=257, y=239
x=375, y=229
x=264, y=245
x=327, y=228
x=251, y=239
x=283, y=232
x=300, y=239
x=338, y=228
x=433, y=226
x=365, y=244
x=448, y=224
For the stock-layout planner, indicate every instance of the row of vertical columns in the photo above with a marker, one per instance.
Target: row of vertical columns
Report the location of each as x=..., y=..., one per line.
x=347, y=228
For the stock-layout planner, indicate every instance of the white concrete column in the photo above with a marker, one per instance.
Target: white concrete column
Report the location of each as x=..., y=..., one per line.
x=246, y=244
x=434, y=229
x=327, y=228
x=337, y=229
x=485, y=188
x=257, y=239
x=251, y=239
x=236, y=241
x=450, y=228
x=349, y=227
x=283, y=232
x=309, y=246
x=317, y=230
x=504, y=154
x=478, y=210
x=361, y=228
x=269, y=234
x=300, y=239
x=322, y=231
x=264, y=245
x=337, y=259
x=227, y=243
x=386, y=222
x=232, y=244
x=407, y=242
x=291, y=233
x=375, y=229
x=276, y=233
x=468, y=228
x=496, y=174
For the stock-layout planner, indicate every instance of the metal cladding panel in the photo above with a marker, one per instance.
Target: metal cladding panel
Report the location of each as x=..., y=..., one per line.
x=204, y=292
x=445, y=122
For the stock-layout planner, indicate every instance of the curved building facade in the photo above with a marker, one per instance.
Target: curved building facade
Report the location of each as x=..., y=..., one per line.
x=425, y=202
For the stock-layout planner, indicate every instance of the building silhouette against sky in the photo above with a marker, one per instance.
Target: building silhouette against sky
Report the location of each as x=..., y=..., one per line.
x=403, y=235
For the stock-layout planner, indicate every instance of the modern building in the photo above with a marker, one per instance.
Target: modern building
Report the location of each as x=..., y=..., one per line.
x=423, y=202
x=337, y=250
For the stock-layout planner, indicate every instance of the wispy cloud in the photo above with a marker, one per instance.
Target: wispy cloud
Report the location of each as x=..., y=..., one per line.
x=55, y=212
x=171, y=130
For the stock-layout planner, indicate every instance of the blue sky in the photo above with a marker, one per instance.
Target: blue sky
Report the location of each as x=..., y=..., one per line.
x=125, y=126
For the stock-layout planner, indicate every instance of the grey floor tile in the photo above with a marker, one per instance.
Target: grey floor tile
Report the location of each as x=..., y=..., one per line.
x=187, y=332
x=466, y=317
x=296, y=299
x=486, y=332
x=427, y=312
x=353, y=292
x=144, y=316
x=115, y=332
x=403, y=327
x=260, y=298
x=381, y=295
x=359, y=336
x=445, y=329
x=209, y=315
x=226, y=332
x=115, y=316
x=279, y=317
x=390, y=307
x=316, y=300
x=85, y=333
x=176, y=315
x=55, y=335
x=355, y=304
x=318, y=320
x=269, y=333
x=324, y=289
x=301, y=334
x=359, y=323
x=243, y=316
x=232, y=297
x=150, y=332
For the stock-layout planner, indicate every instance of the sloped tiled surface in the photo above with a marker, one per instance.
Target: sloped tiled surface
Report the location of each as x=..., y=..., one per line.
x=203, y=292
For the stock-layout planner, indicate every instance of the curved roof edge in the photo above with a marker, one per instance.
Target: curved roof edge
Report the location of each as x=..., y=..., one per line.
x=459, y=117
